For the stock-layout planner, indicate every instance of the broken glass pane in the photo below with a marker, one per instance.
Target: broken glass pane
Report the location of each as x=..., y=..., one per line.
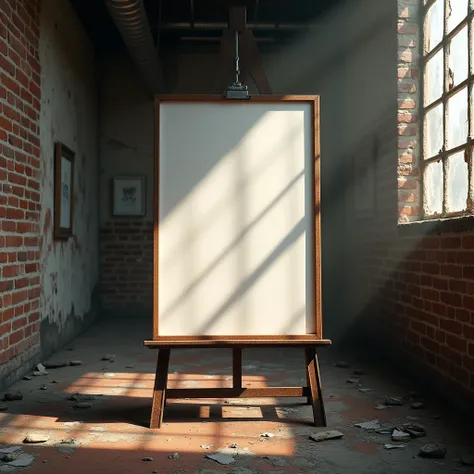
x=434, y=25
x=434, y=131
x=434, y=78
x=433, y=184
x=458, y=183
x=458, y=58
x=457, y=11
x=457, y=119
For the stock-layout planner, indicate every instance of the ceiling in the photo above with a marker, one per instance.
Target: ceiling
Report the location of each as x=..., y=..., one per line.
x=201, y=21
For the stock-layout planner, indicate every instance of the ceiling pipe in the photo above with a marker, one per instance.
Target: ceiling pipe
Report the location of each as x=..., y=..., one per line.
x=131, y=20
x=221, y=26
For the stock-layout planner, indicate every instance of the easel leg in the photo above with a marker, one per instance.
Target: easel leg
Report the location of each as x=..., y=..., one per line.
x=237, y=368
x=159, y=392
x=307, y=358
x=314, y=378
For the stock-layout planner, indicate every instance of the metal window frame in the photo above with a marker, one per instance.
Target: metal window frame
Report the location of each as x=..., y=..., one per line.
x=447, y=94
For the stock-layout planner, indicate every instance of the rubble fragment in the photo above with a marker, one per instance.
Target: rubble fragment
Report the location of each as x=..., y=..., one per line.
x=22, y=460
x=433, y=451
x=365, y=390
x=398, y=435
x=467, y=460
x=393, y=446
x=9, y=450
x=267, y=435
x=415, y=430
x=13, y=396
x=33, y=438
x=326, y=435
x=110, y=357
x=353, y=380
x=205, y=446
x=381, y=407
x=394, y=401
x=417, y=405
x=27, y=377
x=55, y=364
x=75, y=363
x=83, y=405
x=220, y=458
x=369, y=425
x=174, y=456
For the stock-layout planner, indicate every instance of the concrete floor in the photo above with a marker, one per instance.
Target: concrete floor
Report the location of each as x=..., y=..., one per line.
x=112, y=437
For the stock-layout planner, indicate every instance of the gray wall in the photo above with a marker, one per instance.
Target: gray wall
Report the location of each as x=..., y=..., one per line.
x=348, y=58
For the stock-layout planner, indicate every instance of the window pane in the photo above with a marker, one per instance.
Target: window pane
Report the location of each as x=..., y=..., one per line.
x=434, y=25
x=458, y=182
x=457, y=119
x=458, y=58
x=456, y=13
x=434, y=131
x=434, y=78
x=433, y=184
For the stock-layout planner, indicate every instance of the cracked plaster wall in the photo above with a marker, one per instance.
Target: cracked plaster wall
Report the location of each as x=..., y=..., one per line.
x=69, y=114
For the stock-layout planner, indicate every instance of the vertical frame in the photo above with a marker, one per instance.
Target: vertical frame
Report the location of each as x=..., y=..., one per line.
x=316, y=214
x=63, y=191
x=129, y=196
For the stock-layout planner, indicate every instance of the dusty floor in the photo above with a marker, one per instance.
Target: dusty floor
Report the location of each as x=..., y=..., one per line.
x=111, y=436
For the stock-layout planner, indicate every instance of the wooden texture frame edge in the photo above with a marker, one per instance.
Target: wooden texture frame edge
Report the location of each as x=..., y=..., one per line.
x=60, y=150
x=316, y=191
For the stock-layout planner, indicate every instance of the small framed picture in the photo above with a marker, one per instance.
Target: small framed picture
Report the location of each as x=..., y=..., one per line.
x=63, y=191
x=128, y=196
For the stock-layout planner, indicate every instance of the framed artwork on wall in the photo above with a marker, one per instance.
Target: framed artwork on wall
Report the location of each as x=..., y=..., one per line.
x=128, y=196
x=63, y=191
x=363, y=166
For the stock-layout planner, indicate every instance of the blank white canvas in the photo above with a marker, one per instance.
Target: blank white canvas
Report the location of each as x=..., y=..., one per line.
x=236, y=227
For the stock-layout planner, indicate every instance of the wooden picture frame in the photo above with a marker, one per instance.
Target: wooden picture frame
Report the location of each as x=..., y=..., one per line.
x=63, y=191
x=364, y=178
x=129, y=196
x=224, y=341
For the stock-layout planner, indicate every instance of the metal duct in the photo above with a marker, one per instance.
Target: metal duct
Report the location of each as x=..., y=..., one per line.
x=131, y=20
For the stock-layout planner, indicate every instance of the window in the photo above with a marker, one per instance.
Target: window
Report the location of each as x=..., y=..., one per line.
x=447, y=111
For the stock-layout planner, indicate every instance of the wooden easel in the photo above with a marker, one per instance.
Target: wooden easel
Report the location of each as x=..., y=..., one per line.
x=309, y=342
x=312, y=392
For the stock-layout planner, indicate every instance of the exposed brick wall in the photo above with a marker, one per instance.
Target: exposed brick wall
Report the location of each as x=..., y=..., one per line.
x=414, y=285
x=127, y=266
x=409, y=195
x=20, y=97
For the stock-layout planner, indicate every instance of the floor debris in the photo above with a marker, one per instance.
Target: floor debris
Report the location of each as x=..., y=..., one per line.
x=75, y=363
x=366, y=390
x=10, y=449
x=147, y=459
x=353, y=380
x=369, y=425
x=22, y=460
x=359, y=372
x=110, y=357
x=55, y=364
x=174, y=456
x=326, y=435
x=27, y=377
x=342, y=364
x=393, y=446
x=205, y=446
x=415, y=430
x=467, y=460
x=381, y=407
x=267, y=435
x=394, y=401
x=234, y=446
x=417, y=405
x=36, y=438
x=220, y=458
x=83, y=405
x=13, y=396
x=3, y=407
x=398, y=435
x=433, y=451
